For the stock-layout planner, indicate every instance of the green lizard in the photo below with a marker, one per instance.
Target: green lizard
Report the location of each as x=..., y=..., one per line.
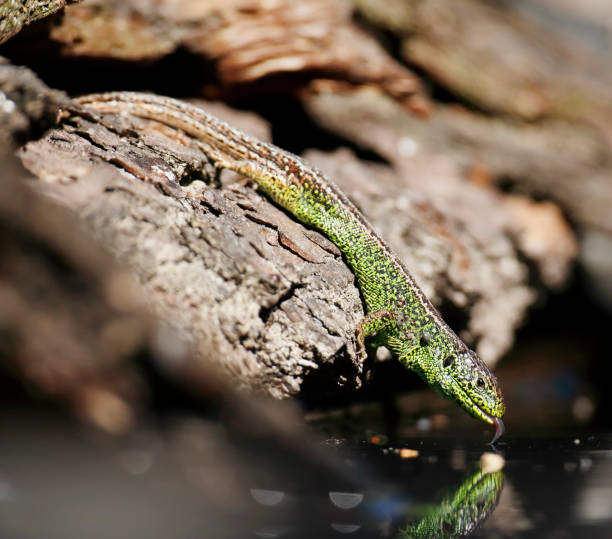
x=399, y=316
x=463, y=510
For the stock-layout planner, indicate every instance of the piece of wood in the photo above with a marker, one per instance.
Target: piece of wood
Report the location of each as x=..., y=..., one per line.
x=241, y=279
x=269, y=301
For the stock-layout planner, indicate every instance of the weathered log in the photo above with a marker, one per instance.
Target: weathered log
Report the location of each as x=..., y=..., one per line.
x=271, y=302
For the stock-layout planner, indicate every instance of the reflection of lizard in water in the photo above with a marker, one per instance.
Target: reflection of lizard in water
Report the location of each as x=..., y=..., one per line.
x=461, y=512
x=399, y=316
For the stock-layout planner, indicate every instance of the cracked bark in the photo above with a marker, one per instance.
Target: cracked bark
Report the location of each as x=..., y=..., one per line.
x=234, y=274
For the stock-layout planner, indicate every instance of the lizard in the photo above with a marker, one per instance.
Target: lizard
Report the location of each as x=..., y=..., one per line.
x=462, y=510
x=398, y=314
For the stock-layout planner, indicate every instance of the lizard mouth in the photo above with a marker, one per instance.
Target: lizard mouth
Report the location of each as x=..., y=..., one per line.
x=499, y=424
x=478, y=412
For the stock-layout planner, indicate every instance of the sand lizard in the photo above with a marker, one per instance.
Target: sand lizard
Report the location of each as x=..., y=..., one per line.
x=399, y=316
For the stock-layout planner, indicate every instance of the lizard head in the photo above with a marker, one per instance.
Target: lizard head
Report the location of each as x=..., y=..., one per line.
x=457, y=373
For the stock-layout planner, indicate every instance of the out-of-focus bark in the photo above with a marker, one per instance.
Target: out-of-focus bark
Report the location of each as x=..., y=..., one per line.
x=534, y=77
x=248, y=41
x=69, y=318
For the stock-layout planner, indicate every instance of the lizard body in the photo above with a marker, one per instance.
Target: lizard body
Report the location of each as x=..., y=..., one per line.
x=399, y=316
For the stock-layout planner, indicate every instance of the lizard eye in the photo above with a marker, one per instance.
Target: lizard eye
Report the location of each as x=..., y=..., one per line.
x=424, y=340
x=480, y=382
x=449, y=361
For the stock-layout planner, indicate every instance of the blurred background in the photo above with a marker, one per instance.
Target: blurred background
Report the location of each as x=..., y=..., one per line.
x=475, y=135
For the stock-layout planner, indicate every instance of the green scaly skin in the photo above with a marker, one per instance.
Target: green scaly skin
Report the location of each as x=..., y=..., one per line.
x=461, y=512
x=399, y=316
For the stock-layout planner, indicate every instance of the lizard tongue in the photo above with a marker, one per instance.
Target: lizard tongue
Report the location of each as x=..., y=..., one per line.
x=499, y=429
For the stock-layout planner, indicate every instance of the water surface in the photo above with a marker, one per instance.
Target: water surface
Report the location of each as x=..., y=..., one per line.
x=197, y=478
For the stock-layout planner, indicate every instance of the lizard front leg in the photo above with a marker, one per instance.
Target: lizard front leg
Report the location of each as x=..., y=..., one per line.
x=372, y=324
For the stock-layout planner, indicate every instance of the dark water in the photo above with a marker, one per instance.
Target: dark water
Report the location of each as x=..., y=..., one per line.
x=195, y=478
